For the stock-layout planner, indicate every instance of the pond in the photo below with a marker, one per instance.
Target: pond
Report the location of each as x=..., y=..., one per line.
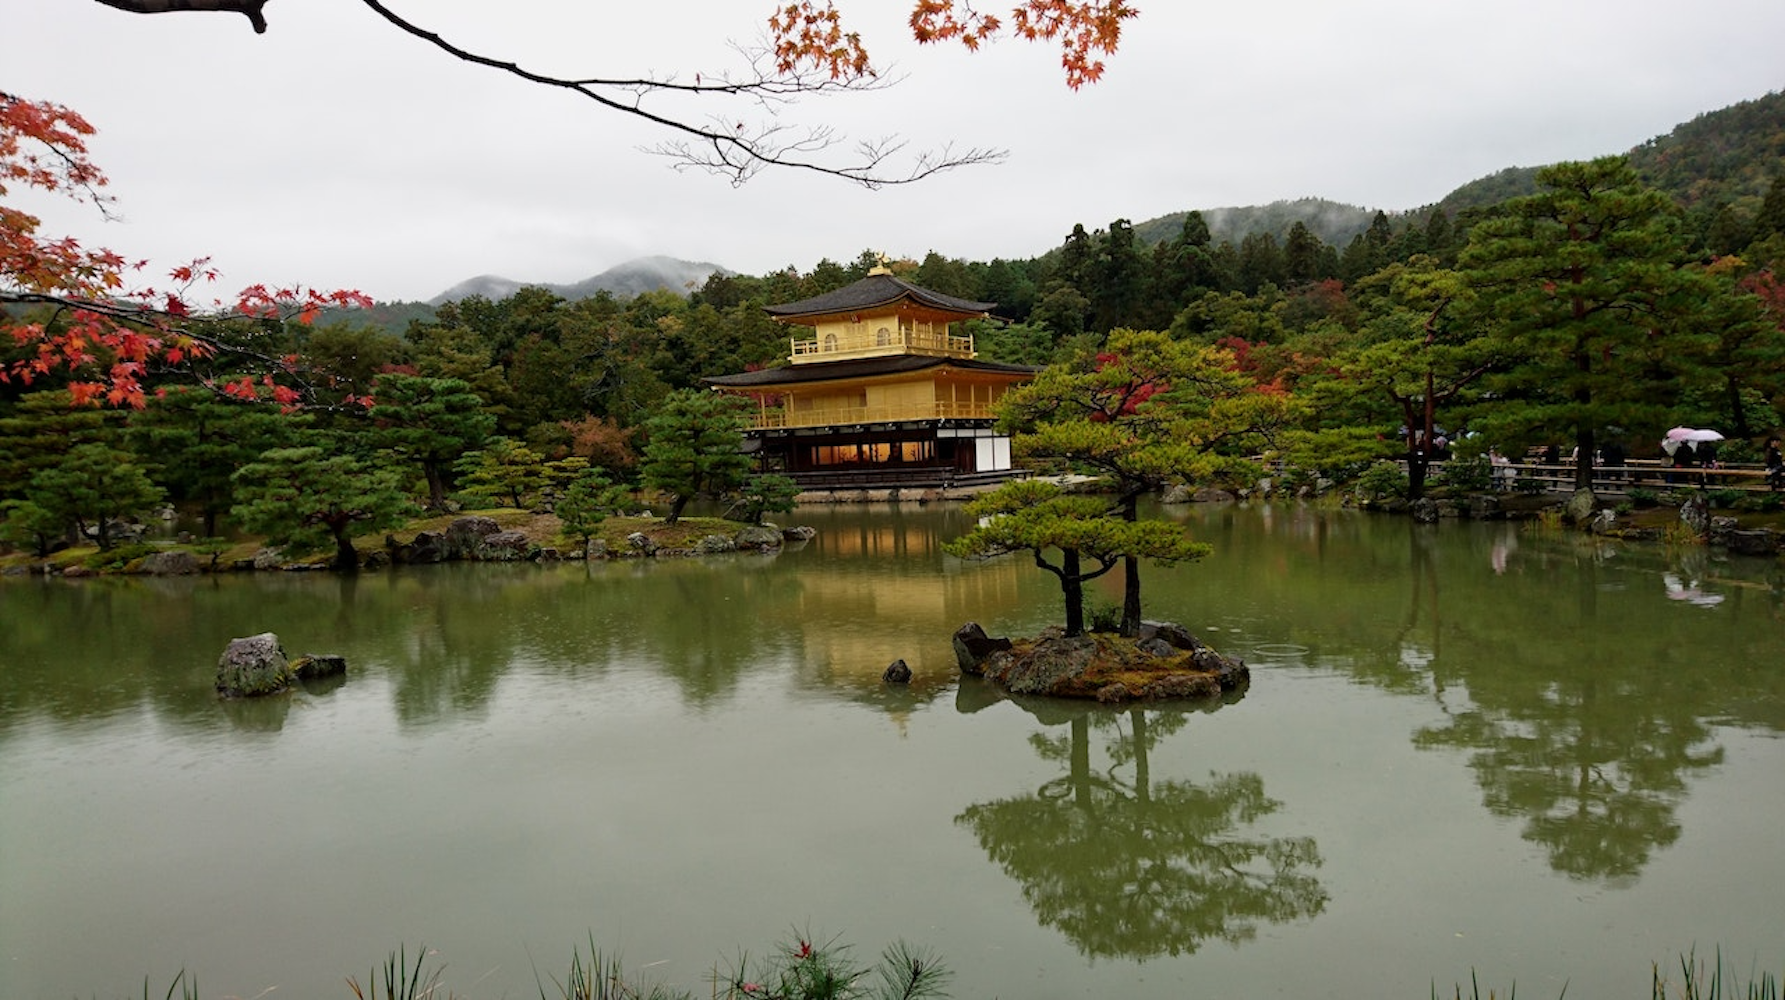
x=1469, y=748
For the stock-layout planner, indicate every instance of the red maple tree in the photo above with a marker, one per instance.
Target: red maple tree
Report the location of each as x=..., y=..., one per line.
x=99, y=322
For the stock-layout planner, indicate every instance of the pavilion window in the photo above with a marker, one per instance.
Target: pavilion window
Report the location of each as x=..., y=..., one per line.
x=917, y=451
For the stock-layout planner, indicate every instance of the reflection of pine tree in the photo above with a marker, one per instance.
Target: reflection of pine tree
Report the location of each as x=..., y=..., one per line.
x=1594, y=754
x=1138, y=868
x=1599, y=777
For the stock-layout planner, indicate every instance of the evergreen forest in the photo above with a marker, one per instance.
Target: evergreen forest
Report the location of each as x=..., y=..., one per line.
x=1575, y=305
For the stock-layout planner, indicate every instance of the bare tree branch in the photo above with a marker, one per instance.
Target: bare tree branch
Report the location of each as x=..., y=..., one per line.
x=728, y=146
x=733, y=145
x=252, y=8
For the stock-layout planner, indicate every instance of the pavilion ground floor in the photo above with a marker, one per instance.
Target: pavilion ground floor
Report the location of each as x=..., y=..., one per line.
x=919, y=453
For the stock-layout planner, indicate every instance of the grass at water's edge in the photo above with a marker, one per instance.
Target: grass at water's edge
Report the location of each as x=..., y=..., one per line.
x=1697, y=982
x=796, y=969
x=801, y=968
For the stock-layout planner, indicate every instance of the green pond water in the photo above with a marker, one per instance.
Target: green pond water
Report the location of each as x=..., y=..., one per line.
x=1466, y=749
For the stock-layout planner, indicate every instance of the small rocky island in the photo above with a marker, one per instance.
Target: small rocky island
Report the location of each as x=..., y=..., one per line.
x=256, y=666
x=1164, y=662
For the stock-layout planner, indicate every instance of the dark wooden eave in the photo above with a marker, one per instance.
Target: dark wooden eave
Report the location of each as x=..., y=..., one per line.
x=876, y=291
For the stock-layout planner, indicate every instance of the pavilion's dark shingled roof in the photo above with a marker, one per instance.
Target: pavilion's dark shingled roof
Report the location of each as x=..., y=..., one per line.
x=864, y=367
x=873, y=291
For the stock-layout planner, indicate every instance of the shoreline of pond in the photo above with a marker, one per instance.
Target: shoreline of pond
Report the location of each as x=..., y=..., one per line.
x=1676, y=517
x=495, y=536
x=1670, y=517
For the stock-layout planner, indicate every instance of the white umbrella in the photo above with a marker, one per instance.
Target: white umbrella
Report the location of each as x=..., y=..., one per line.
x=1689, y=436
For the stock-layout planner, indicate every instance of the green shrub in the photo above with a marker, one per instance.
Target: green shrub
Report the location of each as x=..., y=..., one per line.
x=1382, y=481
x=1724, y=499
x=1467, y=475
x=801, y=970
x=473, y=501
x=1761, y=503
x=1104, y=617
x=1291, y=478
x=120, y=556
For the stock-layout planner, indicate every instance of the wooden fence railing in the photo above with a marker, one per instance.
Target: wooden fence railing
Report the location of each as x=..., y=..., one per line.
x=1646, y=474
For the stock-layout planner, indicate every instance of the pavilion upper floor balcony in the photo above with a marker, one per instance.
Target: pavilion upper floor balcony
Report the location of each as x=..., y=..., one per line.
x=781, y=418
x=932, y=340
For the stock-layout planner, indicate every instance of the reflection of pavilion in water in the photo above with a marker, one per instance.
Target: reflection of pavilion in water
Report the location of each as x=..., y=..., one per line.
x=859, y=622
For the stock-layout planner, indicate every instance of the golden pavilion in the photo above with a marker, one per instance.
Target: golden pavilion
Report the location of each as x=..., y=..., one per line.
x=882, y=391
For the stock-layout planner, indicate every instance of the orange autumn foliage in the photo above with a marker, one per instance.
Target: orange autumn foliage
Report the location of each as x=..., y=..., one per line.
x=106, y=333
x=810, y=33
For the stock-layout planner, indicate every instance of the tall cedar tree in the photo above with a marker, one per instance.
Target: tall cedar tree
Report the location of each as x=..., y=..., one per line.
x=1599, y=317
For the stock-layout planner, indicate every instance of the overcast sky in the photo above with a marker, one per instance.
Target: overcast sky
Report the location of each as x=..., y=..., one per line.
x=336, y=152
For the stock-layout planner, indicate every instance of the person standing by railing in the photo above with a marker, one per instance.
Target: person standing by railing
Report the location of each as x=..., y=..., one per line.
x=1611, y=456
x=1501, y=470
x=1775, y=465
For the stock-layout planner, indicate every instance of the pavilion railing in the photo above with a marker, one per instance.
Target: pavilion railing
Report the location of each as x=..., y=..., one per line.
x=777, y=419
x=908, y=341
x=1648, y=474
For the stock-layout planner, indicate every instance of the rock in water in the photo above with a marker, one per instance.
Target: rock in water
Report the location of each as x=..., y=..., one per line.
x=972, y=646
x=315, y=666
x=253, y=666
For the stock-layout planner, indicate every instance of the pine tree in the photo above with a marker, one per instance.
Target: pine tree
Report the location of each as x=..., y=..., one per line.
x=94, y=486
x=1037, y=517
x=695, y=446
x=306, y=498
x=1598, y=317
x=1771, y=218
x=430, y=421
x=1144, y=411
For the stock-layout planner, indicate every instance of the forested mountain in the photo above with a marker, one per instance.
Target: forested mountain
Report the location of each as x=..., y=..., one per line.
x=1334, y=222
x=1725, y=157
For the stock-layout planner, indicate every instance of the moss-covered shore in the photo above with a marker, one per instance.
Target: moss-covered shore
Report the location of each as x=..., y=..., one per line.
x=542, y=535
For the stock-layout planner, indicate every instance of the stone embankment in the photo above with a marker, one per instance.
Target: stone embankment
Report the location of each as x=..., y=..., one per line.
x=472, y=538
x=1685, y=511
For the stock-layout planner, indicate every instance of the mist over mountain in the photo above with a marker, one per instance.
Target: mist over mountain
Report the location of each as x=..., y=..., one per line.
x=1719, y=158
x=644, y=274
